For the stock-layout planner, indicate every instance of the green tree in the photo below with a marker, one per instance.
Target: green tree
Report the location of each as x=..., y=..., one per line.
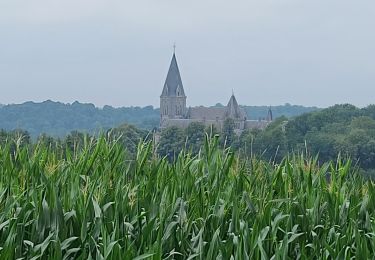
x=171, y=142
x=75, y=141
x=246, y=140
x=195, y=134
x=129, y=136
x=271, y=143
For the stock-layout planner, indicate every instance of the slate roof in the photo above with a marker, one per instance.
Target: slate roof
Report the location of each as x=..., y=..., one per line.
x=173, y=82
x=233, y=110
x=208, y=113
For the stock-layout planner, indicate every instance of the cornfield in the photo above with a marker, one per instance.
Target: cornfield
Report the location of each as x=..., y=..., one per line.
x=97, y=203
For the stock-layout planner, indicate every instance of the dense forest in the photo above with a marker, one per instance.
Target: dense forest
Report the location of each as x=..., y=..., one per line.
x=58, y=119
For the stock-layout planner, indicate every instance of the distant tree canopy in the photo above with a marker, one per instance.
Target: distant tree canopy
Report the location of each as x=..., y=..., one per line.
x=340, y=129
x=58, y=120
x=287, y=110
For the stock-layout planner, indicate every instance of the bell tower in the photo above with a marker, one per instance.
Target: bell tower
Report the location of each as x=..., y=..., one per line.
x=172, y=98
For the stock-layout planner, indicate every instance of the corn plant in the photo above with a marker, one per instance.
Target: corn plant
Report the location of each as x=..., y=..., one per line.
x=97, y=203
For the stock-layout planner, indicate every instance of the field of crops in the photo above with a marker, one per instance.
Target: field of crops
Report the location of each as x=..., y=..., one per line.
x=98, y=204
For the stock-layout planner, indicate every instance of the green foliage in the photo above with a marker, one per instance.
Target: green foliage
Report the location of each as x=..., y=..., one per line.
x=96, y=204
x=211, y=130
x=129, y=136
x=272, y=143
x=58, y=120
x=174, y=139
x=286, y=110
x=15, y=139
x=75, y=140
x=171, y=142
x=195, y=134
x=341, y=129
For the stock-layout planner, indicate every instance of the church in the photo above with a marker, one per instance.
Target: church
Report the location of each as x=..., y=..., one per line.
x=174, y=112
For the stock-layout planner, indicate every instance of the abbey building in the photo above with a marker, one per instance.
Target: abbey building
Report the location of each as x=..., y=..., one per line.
x=174, y=112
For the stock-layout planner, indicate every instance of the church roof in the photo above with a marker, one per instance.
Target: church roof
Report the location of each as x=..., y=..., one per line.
x=233, y=110
x=173, y=83
x=208, y=113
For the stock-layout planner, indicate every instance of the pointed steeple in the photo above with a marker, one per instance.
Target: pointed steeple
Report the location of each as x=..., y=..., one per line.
x=233, y=110
x=173, y=98
x=173, y=84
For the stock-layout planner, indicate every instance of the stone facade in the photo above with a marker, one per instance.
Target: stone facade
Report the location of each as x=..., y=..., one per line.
x=173, y=110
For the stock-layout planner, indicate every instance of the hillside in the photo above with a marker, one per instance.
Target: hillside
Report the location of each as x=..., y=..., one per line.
x=59, y=119
x=340, y=129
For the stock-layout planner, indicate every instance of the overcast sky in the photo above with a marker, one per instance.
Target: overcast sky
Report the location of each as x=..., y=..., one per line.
x=117, y=52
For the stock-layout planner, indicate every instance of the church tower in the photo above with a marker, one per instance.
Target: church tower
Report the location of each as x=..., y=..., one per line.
x=173, y=98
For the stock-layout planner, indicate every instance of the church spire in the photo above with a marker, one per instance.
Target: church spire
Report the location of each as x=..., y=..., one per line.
x=172, y=99
x=233, y=110
x=173, y=83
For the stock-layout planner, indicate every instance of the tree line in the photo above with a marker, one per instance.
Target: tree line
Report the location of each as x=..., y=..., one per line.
x=59, y=119
x=341, y=130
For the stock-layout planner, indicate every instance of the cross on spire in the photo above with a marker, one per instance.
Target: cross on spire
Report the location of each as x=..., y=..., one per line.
x=174, y=48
